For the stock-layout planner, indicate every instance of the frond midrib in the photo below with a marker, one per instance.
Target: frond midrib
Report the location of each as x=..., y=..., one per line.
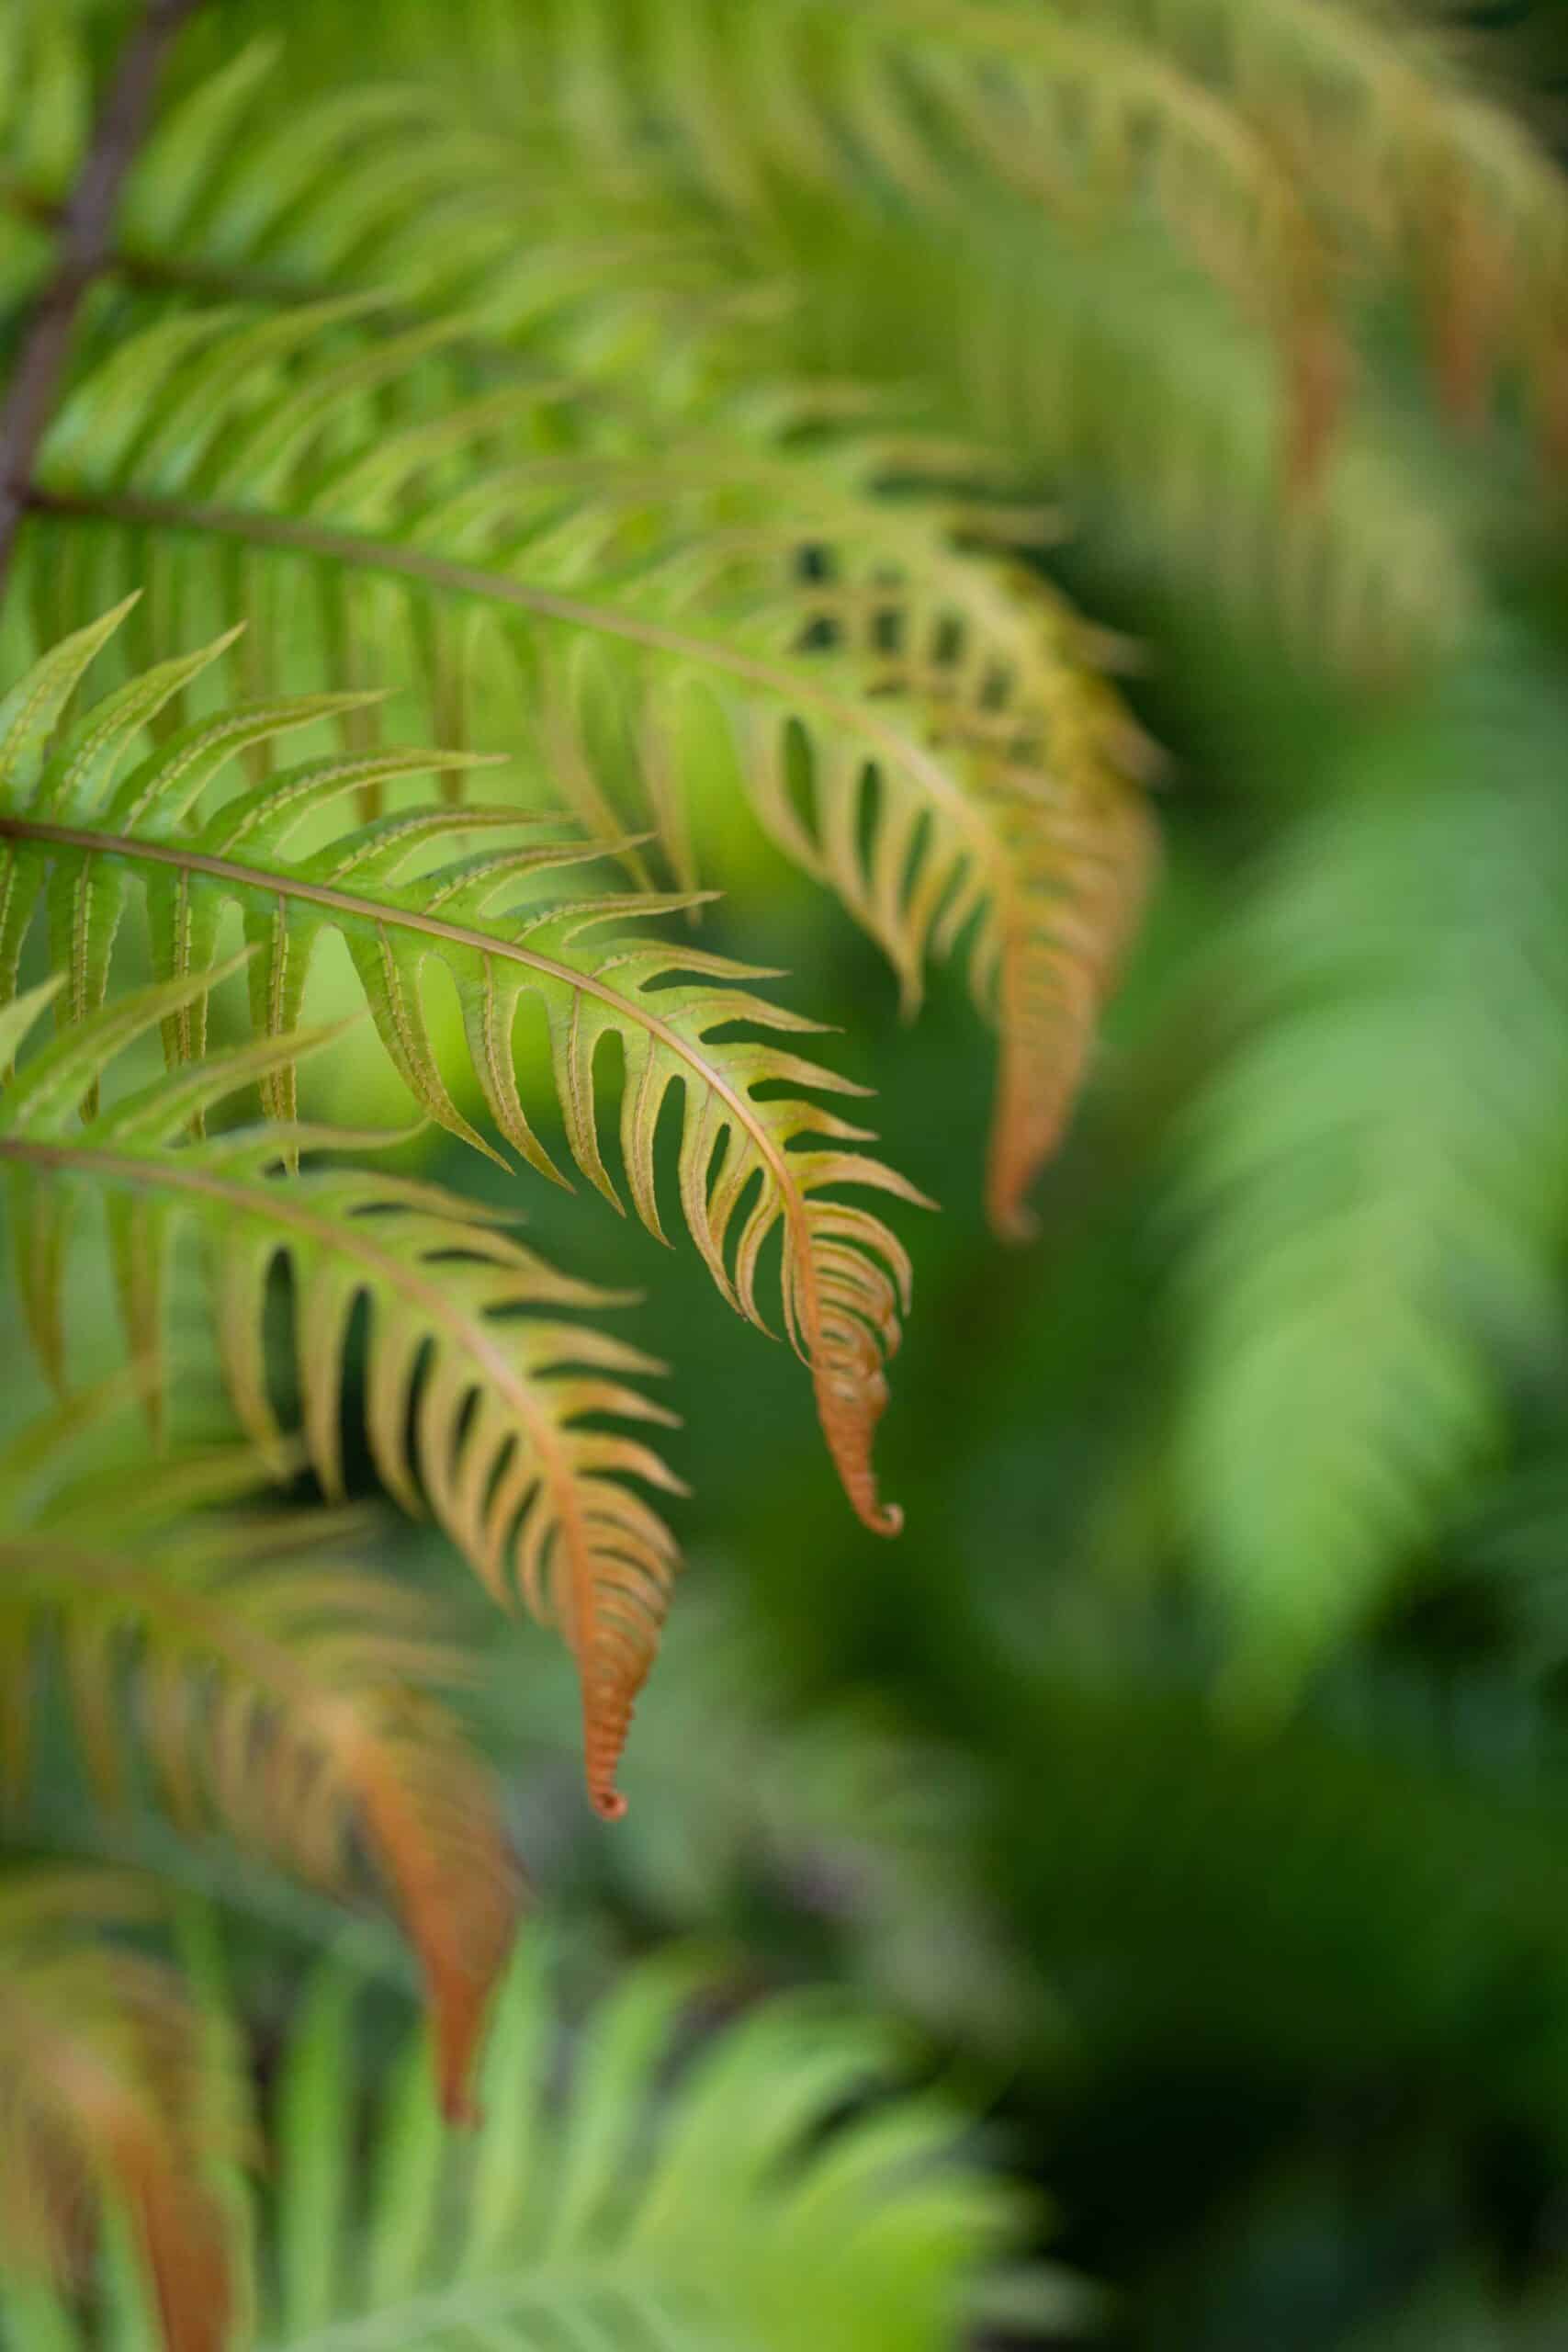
x=420, y=2318
x=277, y=1205
x=267, y=882
x=337, y=545
x=269, y=1663
x=384, y=1272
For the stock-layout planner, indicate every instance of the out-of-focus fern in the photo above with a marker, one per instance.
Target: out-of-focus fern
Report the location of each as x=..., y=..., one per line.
x=1379, y=1177
x=765, y=2185
x=105, y=2092
x=231, y=1667
x=841, y=1822
x=1018, y=170
x=1281, y=146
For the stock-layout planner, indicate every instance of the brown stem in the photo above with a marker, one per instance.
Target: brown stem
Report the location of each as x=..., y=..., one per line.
x=84, y=251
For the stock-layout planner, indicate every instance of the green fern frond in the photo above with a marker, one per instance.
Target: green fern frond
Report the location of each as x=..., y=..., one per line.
x=1377, y=1178
x=1003, y=296
x=770, y=2183
x=1281, y=146
x=435, y=437
x=1126, y=386
x=748, y=1171
x=771, y=2194
x=1022, y=269
x=928, y=100
x=103, y=2095
x=507, y=1442
x=389, y=185
x=282, y=1699
x=600, y=603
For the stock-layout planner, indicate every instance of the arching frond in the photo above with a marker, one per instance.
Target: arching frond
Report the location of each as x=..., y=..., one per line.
x=103, y=2095
x=705, y=535
x=504, y=1405
x=1127, y=386
x=927, y=100
x=228, y=206
x=1270, y=141
x=1377, y=117
x=1285, y=147
x=1377, y=1176
x=1059, y=865
x=873, y=692
x=767, y=2187
x=285, y=1697
x=389, y=185
x=748, y=1171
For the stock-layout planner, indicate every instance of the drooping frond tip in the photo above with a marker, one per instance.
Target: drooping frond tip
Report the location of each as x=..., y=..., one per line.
x=747, y=1166
x=484, y=1396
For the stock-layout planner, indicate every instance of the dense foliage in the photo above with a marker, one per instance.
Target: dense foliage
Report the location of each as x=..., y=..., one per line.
x=544, y=557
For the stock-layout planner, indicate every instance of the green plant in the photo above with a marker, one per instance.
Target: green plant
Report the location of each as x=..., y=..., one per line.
x=779, y=2189
x=698, y=458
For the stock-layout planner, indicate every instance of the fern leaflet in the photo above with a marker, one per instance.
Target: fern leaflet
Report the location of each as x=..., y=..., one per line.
x=504, y=1405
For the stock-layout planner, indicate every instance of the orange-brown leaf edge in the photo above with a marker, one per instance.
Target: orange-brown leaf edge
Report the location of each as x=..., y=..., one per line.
x=461, y=1921
x=180, y=2231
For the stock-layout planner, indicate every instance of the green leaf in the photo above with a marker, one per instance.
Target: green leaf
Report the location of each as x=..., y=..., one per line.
x=481, y=1391
x=749, y=1171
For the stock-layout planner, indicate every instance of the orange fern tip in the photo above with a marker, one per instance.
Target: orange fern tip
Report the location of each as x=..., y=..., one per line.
x=185, y=2245
x=459, y=2001
x=459, y=1997
x=606, y=1723
x=460, y=1893
x=459, y=2111
x=1031, y=1117
x=852, y=1396
x=1009, y=1220
x=180, y=2232
x=1471, y=302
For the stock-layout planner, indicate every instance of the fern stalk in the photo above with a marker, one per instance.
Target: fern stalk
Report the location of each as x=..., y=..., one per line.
x=86, y=226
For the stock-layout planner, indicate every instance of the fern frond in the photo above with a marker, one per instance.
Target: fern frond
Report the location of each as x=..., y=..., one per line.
x=1377, y=1177
x=245, y=192
x=282, y=1698
x=748, y=1171
x=768, y=2182
x=1284, y=147
x=102, y=2095
x=1126, y=112
x=705, y=535
x=1127, y=386
x=504, y=1405
x=925, y=101
x=772, y=2193
x=1379, y=120
x=595, y=604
